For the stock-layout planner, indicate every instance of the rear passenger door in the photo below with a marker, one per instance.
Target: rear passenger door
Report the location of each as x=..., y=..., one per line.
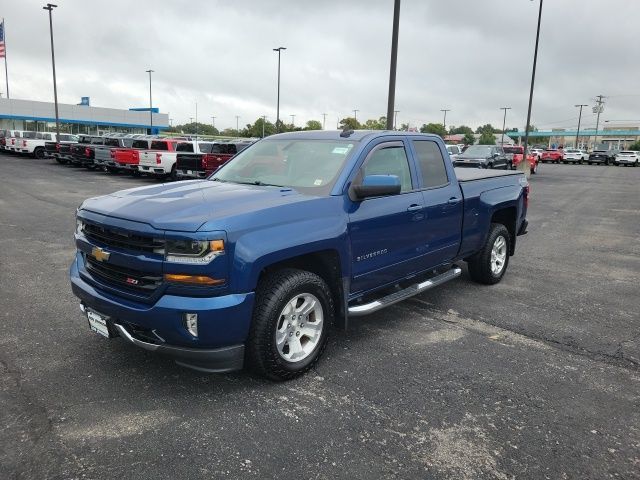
x=442, y=204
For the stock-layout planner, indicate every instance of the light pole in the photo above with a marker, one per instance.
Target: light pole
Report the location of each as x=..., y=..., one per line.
x=524, y=166
x=579, y=118
x=504, y=123
x=237, y=125
x=150, y=103
x=171, y=122
x=444, y=122
x=293, y=121
x=599, y=108
x=197, y=129
x=264, y=120
x=355, y=114
x=394, y=63
x=324, y=119
x=395, y=119
x=213, y=121
x=50, y=7
x=279, y=50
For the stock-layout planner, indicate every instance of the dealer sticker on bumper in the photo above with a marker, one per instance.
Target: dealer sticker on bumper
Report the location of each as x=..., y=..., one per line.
x=98, y=323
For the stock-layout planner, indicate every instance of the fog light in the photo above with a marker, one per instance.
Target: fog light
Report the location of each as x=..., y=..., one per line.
x=191, y=323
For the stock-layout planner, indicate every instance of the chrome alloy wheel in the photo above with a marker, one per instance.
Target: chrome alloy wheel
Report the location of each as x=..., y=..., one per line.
x=299, y=327
x=498, y=255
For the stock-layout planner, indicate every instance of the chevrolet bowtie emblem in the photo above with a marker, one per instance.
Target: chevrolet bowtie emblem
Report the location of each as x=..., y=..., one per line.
x=99, y=254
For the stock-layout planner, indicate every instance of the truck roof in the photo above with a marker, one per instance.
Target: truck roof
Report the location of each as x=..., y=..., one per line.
x=357, y=135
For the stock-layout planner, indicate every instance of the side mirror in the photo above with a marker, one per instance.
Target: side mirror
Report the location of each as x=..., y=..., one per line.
x=375, y=186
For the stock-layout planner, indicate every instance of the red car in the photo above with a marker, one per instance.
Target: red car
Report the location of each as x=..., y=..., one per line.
x=552, y=155
x=516, y=151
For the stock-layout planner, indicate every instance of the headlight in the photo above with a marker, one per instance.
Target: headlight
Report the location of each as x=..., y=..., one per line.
x=193, y=251
x=79, y=226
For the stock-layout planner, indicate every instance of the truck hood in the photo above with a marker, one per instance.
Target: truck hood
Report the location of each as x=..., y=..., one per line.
x=186, y=206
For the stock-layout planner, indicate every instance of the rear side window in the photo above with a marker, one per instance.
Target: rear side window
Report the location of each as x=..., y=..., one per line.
x=141, y=144
x=431, y=162
x=159, y=146
x=184, y=147
x=391, y=160
x=111, y=142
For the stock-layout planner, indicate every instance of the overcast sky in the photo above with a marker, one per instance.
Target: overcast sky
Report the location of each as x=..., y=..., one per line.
x=471, y=56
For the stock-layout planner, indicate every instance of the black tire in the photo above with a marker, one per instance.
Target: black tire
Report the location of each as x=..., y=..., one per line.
x=480, y=264
x=38, y=153
x=61, y=162
x=272, y=295
x=173, y=176
x=113, y=170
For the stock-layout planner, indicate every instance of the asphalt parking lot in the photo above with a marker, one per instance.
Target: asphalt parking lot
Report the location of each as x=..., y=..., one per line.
x=536, y=377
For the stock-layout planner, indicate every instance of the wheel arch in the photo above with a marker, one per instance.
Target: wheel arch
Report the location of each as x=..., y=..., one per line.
x=507, y=216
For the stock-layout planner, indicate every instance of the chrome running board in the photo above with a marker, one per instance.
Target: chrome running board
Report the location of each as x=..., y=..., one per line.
x=410, y=291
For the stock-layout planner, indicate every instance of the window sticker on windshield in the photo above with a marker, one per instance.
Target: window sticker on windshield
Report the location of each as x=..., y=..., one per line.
x=317, y=182
x=341, y=150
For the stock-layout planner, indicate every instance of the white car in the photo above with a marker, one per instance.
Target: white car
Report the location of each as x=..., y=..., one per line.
x=454, y=151
x=627, y=157
x=536, y=151
x=574, y=155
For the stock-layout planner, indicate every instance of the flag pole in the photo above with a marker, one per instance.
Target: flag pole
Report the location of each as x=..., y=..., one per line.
x=6, y=71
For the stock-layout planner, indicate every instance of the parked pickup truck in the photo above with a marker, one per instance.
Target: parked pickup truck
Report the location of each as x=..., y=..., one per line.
x=83, y=152
x=32, y=143
x=104, y=156
x=60, y=150
x=160, y=159
x=129, y=158
x=296, y=232
x=201, y=165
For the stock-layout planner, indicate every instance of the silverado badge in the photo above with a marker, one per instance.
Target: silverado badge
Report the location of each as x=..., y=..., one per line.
x=99, y=254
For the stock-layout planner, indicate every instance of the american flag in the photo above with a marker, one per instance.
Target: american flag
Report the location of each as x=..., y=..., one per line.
x=2, y=49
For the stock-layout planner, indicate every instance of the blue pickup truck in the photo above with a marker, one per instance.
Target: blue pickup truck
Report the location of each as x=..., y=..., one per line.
x=299, y=232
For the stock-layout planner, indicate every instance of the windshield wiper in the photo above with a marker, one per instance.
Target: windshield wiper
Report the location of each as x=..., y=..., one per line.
x=257, y=182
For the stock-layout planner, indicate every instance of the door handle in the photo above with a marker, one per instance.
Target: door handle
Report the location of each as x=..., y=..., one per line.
x=453, y=200
x=413, y=208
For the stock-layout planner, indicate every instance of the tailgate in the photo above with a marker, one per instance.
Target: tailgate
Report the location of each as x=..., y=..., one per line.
x=189, y=161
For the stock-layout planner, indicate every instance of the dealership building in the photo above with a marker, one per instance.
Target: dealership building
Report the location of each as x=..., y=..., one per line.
x=81, y=118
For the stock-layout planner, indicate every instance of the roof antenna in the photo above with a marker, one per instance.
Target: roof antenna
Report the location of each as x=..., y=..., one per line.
x=346, y=132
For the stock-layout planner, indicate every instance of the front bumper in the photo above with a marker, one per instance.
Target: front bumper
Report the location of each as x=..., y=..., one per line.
x=223, y=324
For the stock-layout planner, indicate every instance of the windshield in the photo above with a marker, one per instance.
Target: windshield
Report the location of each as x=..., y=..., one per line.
x=477, y=151
x=310, y=166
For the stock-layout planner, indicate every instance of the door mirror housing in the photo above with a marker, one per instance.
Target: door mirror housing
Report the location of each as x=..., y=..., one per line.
x=375, y=186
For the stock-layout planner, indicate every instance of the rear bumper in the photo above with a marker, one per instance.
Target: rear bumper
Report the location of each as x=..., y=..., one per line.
x=193, y=174
x=223, y=324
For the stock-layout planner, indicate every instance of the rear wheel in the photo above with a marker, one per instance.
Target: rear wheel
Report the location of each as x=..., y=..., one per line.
x=489, y=264
x=534, y=169
x=39, y=153
x=112, y=169
x=61, y=162
x=291, y=318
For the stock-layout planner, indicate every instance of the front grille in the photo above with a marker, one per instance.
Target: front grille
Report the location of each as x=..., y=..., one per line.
x=128, y=241
x=123, y=277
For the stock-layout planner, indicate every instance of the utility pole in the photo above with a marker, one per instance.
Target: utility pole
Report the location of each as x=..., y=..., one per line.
x=293, y=120
x=324, y=119
x=213, y=121
x=355, y=114
x=524, y=166
x=197, y=128
x=237, y=126
x=264, y=120
x=579, y=118
x=444, y=121
x=279, y=50
x=394, y=64
x=504, y=123
x=50, y=7
x=395, y=119
x=150, y=104
x=599, y=108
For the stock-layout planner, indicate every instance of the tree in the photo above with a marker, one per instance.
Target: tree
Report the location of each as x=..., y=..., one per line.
x=371, y=124
x=635, y=146
x=468, y=139
x=255, y=130
x=436, y=128
x=487, y=138
x=199, y=128
x=313, y=125
x=461, y=130
x=488, y=128
x=404, y=127
x=350, y=123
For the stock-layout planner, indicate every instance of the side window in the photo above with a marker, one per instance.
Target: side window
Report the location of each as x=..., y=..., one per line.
x=432, y=168
x=391, y=160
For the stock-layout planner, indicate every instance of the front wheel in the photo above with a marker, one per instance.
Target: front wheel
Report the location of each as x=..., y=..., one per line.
x=489, y=264
x=291, y=318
